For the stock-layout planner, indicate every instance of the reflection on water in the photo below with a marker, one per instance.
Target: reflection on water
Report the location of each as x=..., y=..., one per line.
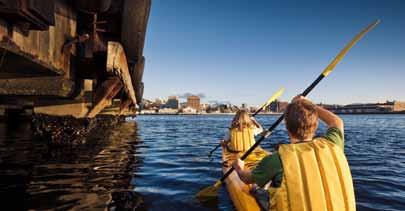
x=160, y=163
x=97, y=174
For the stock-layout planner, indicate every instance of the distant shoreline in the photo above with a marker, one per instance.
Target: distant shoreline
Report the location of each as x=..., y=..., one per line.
x=367, y=113
x=205, y=114
x=266, y=114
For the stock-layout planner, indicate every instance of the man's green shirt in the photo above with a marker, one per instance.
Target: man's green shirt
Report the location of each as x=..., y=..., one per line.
x=270, y=168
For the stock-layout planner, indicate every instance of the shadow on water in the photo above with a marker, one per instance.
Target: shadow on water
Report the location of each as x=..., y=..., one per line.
x=93, y=175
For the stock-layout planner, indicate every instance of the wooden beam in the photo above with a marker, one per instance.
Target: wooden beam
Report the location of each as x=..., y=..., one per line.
x=37, y=86
x=135, y=17
x=104, y=95
x=125, y=106
x=117, y=65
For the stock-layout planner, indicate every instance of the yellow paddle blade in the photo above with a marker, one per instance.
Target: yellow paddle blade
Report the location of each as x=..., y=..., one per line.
x=342, y=53
x=272, y=98
x=210, y=191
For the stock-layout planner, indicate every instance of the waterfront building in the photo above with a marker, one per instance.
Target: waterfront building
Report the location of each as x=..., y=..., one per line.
x=168, y=111
x=268, y=109
x=212, y=108
x=360, y=108
x=159, y=101
x=148, y=111
x=252, y=109
x=183, y=105
x=278, y=106
x=190, y=110
x=172, y=102
x=147, y=104
x=204, y=107
x=233, y=108
x=193, y=102
x=398, y=106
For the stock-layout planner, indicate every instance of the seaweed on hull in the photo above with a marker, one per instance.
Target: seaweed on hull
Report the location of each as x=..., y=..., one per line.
x=68, y=130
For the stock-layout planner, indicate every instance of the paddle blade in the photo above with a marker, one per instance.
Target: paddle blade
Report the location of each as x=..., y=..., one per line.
x=342, y=53
x=272, y=98
x=209, y=192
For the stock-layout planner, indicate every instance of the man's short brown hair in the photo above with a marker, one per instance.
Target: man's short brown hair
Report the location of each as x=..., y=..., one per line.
x=301, y=119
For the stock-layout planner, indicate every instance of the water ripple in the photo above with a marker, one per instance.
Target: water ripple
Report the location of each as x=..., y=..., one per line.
x=176, y=163
x=160, y=163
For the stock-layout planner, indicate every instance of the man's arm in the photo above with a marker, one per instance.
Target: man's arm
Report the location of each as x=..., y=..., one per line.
x=334, y=135
x=267, y=169
x=244, y=175
x=330, y=119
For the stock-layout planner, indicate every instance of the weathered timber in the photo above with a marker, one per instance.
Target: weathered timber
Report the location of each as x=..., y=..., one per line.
x=124, y=106
x=117, y=65
x=63, y=107
x=17, y=63
x=137, y=75
x=133, y=29
x=35, y=14
x=79, y=39
x=135, y=17
x=41, y=47
x=48, y=86
x=93, y=6
x=77, y=107
x=104, y=95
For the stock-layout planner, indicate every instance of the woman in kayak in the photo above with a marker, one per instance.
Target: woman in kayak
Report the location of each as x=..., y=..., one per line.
x=241, y=134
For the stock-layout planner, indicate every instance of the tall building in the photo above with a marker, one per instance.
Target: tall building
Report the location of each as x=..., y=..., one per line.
x=183, y=105
x=172, y=102
x=193, y=102
x=278, y=106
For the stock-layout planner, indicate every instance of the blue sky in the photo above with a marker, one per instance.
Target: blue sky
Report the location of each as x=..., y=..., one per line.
x=242, y=51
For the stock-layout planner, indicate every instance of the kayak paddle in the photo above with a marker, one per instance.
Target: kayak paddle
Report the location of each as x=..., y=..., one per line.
x=270, y=100
x=212, y=191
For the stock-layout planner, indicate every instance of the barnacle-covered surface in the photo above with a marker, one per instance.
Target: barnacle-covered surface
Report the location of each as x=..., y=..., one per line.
x=68, y=130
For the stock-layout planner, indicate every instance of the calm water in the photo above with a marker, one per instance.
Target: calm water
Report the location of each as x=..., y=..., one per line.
x=160, y=162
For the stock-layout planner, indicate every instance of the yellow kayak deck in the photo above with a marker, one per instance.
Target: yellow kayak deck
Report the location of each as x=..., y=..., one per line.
x=238, y=190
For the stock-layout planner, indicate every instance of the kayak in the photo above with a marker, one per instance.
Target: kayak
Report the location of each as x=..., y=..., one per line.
x=238, y=191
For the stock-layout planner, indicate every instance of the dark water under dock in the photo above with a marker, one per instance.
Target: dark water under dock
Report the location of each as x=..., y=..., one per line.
x=160, y=162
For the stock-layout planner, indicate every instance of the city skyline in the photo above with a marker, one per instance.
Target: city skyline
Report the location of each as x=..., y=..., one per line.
x=227, y=102
x=242, y=51
x=193, y=105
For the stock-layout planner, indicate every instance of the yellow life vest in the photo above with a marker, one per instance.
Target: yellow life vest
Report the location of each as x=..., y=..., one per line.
x=241, y=140
x=316, y=176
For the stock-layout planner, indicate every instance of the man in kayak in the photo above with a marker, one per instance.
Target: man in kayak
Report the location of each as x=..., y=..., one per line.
x=241, y=134
x=309, y=173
